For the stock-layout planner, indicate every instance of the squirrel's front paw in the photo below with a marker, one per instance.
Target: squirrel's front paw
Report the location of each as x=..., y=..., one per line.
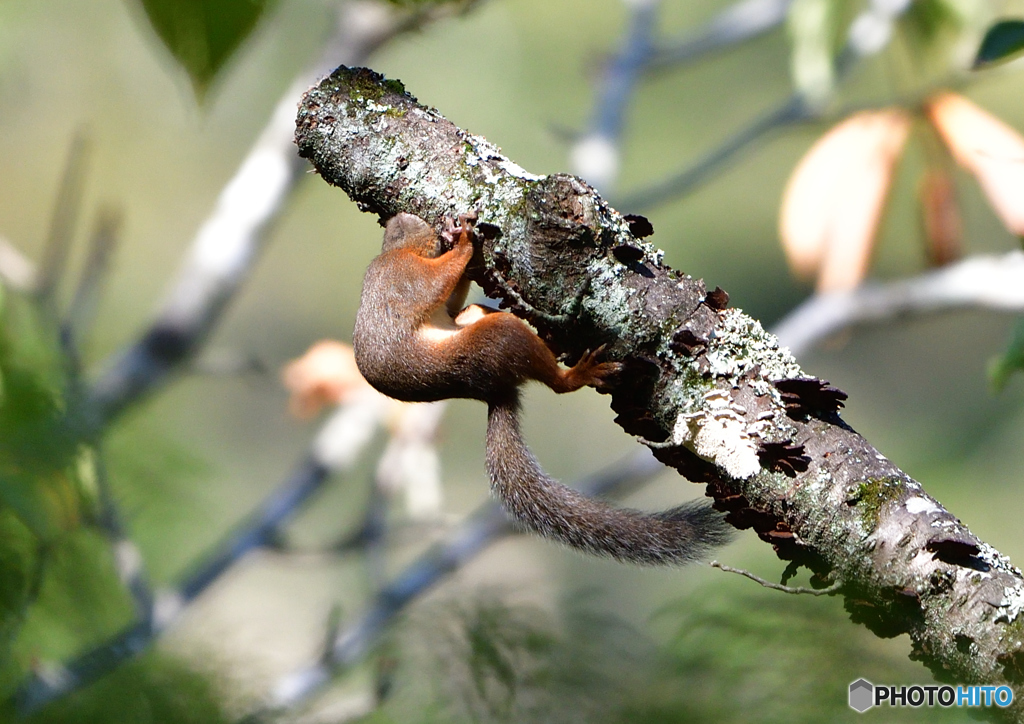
x=461, y=232
x=590, y=371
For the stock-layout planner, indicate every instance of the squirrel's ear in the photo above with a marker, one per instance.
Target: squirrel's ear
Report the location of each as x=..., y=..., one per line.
x=407, y=230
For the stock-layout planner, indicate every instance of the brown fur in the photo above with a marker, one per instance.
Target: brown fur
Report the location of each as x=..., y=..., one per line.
x=410, y=345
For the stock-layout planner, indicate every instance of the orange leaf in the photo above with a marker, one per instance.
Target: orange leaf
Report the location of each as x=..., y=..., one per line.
x=989, y=149
x=325, y=375
x=834, y=200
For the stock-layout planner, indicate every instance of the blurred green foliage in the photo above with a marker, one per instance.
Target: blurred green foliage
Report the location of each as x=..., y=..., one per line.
x=791, y=661
x=932, y=30
x=161, y=482
x=1012, y=360
x=483, y=659
x=202, y=35
x=47, y=472
x=156, y=689
x=20, y=559
x=817, y=30
x=80, y=602
x=487, y=660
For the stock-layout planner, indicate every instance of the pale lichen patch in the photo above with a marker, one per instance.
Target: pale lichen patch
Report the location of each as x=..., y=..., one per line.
x=484, y=150
x=375, y=107
x=710, y=422
x=741, y=343
x=1013, y=602
x=610, y=301
x=918, y=505
x=997, y=561
x=720, y=434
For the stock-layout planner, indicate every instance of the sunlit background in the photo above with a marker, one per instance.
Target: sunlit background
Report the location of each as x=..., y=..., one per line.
x=616, y=643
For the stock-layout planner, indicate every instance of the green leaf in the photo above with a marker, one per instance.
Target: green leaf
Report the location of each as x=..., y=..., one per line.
x=45, y=469
x=932, y=29
x=816, y=30
x=80, y=600
x=155, y=688
x=1001, y=368
x=203, y=34
x=19, y=564
x=1002, y=42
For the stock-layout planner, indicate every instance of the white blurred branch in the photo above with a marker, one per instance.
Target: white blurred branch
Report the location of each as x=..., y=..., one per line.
x=980, y=282
x=735, y=24
x=16, y=269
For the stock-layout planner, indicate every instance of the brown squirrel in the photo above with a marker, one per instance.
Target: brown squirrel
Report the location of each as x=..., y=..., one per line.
x=414, y=342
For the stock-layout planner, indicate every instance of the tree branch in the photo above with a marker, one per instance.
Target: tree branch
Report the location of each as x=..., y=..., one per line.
x=79, y=317
x=65, y=218
x=595, y=155
x=737, y=411
x=738, y=23
x=868, y=34
x=985, y=282
x=230, y=240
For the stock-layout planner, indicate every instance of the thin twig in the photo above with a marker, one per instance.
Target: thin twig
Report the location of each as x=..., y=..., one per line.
x=792, y=110
x=595, y=155
x=867, y=35
x=736, y=24
x=65, y=217
x=80, y=314
x=128, y=561
x=228, y=363
x=795, y=590
x=399, y=534
x=258, y=530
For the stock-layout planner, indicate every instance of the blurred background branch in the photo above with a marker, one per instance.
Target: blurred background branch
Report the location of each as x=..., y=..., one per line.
x=341, y=439
x=979, y=282
x=479, y=530
x=79, y=522
x=230, y=240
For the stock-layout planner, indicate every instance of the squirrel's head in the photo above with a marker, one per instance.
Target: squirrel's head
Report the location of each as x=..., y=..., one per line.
x=408, y=231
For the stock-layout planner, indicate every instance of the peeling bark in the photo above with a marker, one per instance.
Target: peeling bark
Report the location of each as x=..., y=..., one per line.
x=703, y=380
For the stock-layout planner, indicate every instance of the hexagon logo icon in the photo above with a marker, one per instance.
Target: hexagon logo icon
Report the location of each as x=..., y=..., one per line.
x=862, y=695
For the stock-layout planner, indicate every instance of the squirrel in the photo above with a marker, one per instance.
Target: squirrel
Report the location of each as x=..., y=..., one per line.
x=413, y=341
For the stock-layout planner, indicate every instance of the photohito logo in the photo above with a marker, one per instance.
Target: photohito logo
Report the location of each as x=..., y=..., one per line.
x=864, y=695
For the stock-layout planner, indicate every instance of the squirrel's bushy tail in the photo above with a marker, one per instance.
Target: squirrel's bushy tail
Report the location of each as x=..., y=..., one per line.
x=546, y=506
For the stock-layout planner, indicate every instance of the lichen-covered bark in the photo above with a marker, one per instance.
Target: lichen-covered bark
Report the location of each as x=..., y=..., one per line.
x=727, y=406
